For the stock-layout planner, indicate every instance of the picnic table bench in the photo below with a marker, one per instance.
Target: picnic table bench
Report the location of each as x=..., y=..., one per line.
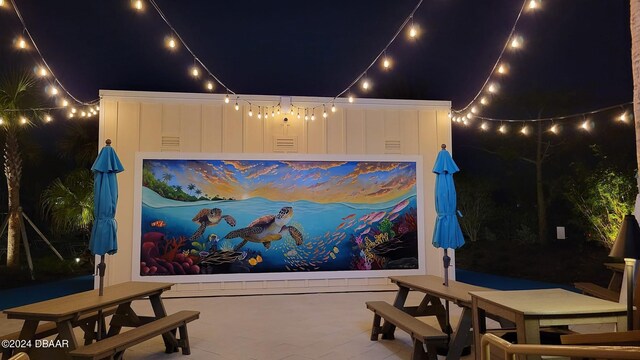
x=612, y=291
x=114, y=347
x=425, y=337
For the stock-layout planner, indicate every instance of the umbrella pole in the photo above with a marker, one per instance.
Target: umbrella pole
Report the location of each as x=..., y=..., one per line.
x=101, y=267
x=447, y=262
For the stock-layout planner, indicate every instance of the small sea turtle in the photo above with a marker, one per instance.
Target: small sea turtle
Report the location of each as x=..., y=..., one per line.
x=267, y=229
x=209, y=217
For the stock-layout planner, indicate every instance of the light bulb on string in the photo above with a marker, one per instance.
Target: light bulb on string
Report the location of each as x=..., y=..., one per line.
x=74, y=110
x=259, y=113
x=237, y=106
x=250, y=111
x=313, y=115
x=386, y=62
x=137, y=4
x=586, y=125
x=298, y=114
x=333, y=108
x=493, y=88
x=524, y=130
x=351, y=99
x=64, y=103
x=484, y=126
x=52, y=90
x=474, y=109
x=484, y=101
x=366, y=85
x=413, y=30
x=306, y=114
x=226, y=99
x=1, y=121
x=209, y=85
x=23, y=120
x=171, y=42
x=2, y=4
x=623, y=117
x=324, y=112
x=503, y=69
x=555, y=129
x=534, y=4
x=465, y=122
x=273, y=114
x=20, y=43
x=502, y=129
x=291, y=111
x=195, y=72
x=70, y=115
x=516, y=42
x=266, y=113
x=40, y=71
x=97, y=108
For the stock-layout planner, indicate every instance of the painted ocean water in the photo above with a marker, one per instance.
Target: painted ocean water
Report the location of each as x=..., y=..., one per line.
x=335, y=236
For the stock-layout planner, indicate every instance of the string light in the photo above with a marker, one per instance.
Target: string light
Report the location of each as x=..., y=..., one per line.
x=493, y=88
x=386, y=63
x=51, y=90
x=298, y=114
x=195, y=72
x=313, y=115
x=23, y=120
x=555, y=129
x=306, y=115
x=623, y=117
x=365, y=84
x=20, y=43
x=1, y=121
x=48, y=118
x=503, y=69
x=502, y=129
x=484, y=126
x=250, y=111
x=516, y=42
x=266, y=113
x=41, y=71
x=259, y=113
x=237, y=107
x=74, y=110
x=413, y=31
x=324, y=112
x=226, y=99
x=137, y=4
x=2, y=3
x=534, y=4
x=484, y=101
x=524, y=130
x=209, y=85
x=586, y=125
x=333, y=108
x=170, y=42
x=351, y=99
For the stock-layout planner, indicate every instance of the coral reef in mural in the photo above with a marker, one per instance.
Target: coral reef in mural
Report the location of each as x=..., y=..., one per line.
x=266, y=216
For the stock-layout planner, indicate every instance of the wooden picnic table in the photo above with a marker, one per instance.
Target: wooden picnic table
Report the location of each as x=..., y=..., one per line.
x=532, y=309
x=431, y=305
x=65, y=310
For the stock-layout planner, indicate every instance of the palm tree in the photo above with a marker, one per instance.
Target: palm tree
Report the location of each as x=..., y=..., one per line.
x=18, y=99
x=166, y=177
x=635, y=67
x=191, y=187
x=69, y=202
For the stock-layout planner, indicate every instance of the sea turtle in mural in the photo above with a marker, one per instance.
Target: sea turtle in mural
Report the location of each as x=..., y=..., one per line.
x=209, y=217
x=266, y=229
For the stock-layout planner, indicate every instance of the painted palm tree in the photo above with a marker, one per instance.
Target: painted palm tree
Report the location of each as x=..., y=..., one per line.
x=166, y=177
x=191, y=187
x=18, y=99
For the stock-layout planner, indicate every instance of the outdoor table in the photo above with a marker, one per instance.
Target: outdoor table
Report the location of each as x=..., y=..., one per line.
x=64, y=310
x=434, y=290
x=531, y=309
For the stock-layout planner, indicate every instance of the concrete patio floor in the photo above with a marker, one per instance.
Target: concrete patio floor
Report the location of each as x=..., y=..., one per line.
x=308, y=326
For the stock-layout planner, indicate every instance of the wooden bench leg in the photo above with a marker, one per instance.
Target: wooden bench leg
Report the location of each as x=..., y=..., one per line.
x=375, y=328
x=419, y=353
x=184, y=340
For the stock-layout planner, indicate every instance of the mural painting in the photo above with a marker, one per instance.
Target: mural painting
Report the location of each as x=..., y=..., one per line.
x=268, y=216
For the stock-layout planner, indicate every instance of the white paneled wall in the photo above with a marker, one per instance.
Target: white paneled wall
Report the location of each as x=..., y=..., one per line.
x=152, y=122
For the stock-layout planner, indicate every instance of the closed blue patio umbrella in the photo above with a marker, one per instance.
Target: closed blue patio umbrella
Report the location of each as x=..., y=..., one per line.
x=447, y=233
x=103, y=234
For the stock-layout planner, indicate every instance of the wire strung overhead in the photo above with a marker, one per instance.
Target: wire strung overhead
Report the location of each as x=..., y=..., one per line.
x=175, y=40
x=53, y=86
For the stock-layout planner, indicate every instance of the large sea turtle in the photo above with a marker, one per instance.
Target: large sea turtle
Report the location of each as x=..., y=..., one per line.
x=209, y=217
x=267, y=229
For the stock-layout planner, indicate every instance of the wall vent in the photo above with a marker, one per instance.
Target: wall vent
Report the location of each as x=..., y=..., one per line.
x=287, y=144
x=170, y=143
x=392, y=147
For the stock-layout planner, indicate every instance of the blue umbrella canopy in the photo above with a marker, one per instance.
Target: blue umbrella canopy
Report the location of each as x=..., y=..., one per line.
x=447, y=233
x=103, y=235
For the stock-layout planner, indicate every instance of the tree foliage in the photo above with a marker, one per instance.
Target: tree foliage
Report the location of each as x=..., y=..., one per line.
x=69, y=202
x=603, y=197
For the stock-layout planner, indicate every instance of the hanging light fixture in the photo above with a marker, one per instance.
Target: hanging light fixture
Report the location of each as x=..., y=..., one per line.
x=137, y=4
x=195, y=72
x=209, y=85
x=333, y=108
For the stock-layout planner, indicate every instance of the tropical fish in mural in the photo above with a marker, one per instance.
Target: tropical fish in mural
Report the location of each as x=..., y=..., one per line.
x=348, y=216
x=366, y=231
x=399, y=206
x=360, y=227
x=267, y=229
x=209, y=217
x=340, y=226
x=377, y=217
x=336, y=250
x=393, y=216
x=159, y=223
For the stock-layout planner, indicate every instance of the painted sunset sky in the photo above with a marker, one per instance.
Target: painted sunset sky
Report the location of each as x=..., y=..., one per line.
x=277, y=180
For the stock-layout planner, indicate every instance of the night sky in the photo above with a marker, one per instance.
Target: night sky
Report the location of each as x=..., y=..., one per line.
x=580, y=49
